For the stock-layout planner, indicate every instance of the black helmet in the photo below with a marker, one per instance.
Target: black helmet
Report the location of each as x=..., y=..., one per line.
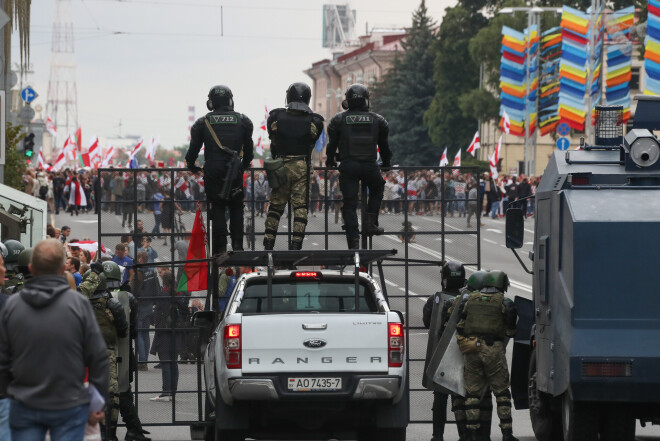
x=220, y=96
x=453, y=275
x=357, y=97
x=24, y=260
x=298, y=92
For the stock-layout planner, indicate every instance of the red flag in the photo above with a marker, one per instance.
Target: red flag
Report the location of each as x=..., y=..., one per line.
x=195, y=274
x=171, y=163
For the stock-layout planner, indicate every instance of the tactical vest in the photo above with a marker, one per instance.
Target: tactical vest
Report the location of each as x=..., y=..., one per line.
x=484, y=315
x=105, y=320
x=294, y=135
x=359, y=136
x=227, y=126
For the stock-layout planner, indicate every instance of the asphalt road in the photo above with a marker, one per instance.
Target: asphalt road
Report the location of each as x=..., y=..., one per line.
x=460, y=244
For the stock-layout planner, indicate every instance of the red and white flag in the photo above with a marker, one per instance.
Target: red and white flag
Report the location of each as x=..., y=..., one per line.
x=60, y=161
x=495, y=158
x=506, y=122
x=183, y=186
x=135, y=149
x=69, y=149
x=443, y=159
x=457, y=163
x=76, y=194
x=258, y=147
x=263, y=123
x=150, y=154
x=50, y=126
x=42, y=162
x=94, y=152
x=107, y=157
x=475, y=144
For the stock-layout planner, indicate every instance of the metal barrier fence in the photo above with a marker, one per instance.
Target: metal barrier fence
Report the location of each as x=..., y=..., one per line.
x=152, y=212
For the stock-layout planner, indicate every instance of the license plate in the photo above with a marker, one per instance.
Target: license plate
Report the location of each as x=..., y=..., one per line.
x=300, y=384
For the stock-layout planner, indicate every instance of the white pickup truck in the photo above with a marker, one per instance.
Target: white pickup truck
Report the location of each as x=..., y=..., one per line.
x=304, y=357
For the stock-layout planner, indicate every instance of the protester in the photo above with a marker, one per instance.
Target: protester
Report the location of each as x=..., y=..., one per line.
x=42, y=367
x=65, y=231
x=73, y=266
x=121, y=259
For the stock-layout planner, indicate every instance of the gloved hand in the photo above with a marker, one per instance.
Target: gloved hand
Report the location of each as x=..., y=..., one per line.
x=386, y=166
x=193, y=168
x=96, y=267
x=330, y=163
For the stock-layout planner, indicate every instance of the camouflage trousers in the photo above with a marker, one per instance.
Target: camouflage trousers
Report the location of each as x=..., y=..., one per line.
x=296, y=192
x=112, y=412
x=487, y=368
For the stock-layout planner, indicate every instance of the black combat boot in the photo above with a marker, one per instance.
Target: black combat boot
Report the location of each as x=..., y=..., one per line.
x=269, y=244
x=237, y=244
x=372, y=225
x=353, y=243
x=507, y=435
x=484, y=431
x=295, y=245
x=137, y=434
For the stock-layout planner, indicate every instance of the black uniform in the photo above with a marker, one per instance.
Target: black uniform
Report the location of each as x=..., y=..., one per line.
x=358, y=134
x=234, y=130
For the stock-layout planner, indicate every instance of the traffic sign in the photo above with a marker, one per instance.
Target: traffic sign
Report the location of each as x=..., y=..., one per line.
x=563, y=143
x=28, y=94
x=563, y=129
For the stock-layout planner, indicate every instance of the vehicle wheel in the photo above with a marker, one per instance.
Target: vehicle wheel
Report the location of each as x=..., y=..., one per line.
x=579, y=420
x=546, y=423
x=229, y=435
x=617, y=425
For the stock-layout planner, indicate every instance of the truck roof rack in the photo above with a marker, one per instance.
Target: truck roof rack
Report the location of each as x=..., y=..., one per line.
x=302, y=257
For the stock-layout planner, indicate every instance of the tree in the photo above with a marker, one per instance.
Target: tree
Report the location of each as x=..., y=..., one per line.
x=455, y=74
x=406, y=92
x=15, y=165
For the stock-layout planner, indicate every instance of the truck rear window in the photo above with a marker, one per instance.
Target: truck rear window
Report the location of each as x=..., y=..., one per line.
x=298, y=296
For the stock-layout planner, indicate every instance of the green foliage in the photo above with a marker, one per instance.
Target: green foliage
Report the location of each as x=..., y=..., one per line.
x=479, y=104
x=455, y=74
x=15, y=165
x=406, y=92
x=469, y=161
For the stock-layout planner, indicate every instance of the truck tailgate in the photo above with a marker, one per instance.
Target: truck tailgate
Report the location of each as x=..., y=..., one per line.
x=344, y=342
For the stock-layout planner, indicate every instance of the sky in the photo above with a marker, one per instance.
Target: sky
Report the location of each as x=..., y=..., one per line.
x=144, y=62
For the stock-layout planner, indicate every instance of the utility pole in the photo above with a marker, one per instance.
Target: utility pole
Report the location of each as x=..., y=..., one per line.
x=533, y=19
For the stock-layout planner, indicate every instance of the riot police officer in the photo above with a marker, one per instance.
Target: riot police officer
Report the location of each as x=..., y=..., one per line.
x=359, y=133
x=293, y=132
x=487, y=319
x=225, y=134
x=22, y=272
x=111, y=319
x=453, y=280
x=126, y=360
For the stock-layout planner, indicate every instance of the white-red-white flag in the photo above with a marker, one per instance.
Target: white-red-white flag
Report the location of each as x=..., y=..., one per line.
x=94, y=152
x=107, y=157
x=183, y=186
x=475, y=144
x=69, y=149
x=259, y=148
x=506, y=122
x=135, y=149
x=41, y=162
x=262, y=126
x=60, y=161
x=443, y=159
x=50, y=126
x=150, y=154
x=494, y=158
x=457, y=163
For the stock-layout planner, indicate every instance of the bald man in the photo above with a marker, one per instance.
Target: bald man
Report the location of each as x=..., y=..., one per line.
x=48, y=334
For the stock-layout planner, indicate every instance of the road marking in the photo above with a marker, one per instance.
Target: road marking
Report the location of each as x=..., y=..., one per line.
x=85, y=221
x=494, y=230
x=490, y=241
x=529, y=243
x=519, y=285
x=315, y=244
x=391, y=283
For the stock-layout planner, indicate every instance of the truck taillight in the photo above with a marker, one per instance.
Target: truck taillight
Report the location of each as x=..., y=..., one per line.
x=232, y=346
x=395, y=345
x=606, y=369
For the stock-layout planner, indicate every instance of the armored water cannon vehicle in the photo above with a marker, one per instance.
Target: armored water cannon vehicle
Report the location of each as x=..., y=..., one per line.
x=586, y=359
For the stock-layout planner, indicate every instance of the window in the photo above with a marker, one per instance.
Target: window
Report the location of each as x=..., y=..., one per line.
x=321, y=296
x=634, y=80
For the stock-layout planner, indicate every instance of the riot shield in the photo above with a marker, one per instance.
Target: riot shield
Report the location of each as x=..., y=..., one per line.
x=123, y=345
x=435, y=333
x=521, y=352
x=445, y=368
